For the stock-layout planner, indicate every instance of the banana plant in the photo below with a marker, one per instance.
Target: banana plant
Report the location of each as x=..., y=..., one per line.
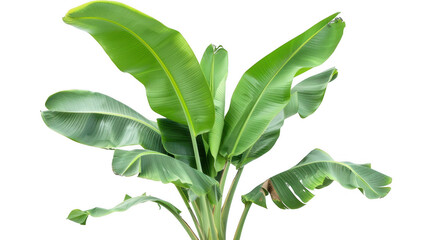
x=195, y=143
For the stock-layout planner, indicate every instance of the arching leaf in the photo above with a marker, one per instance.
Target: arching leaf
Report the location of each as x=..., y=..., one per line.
x=305, y=98
x=80, y=216
x=310, y=93
x=159, y=167
x=98, y=120
x=264, y=90
x=291, y=188
x=159, y=57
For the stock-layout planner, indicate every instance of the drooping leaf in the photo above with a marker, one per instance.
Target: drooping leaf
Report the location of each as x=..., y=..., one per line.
x=291, y=188
x=264, y=90
x=98, y=120
x=215, y=68
x=80, y=216
x=305, y=98
x=159, y=167
x=159, y=57
x=310, y=93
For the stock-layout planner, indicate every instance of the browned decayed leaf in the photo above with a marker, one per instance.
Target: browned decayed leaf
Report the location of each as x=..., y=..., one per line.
x=268, y=187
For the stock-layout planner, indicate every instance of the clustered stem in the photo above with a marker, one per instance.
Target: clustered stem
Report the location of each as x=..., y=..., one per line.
x=211, y=220
x=186, y=201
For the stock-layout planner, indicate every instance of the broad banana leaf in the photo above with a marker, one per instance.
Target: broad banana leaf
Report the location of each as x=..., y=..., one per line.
x=215, y=68
x=80, y=216
x=159, y=167
x=178, y=142
x=309, y=93
x=159, y=57
x=264, y=90
x=291, y=188
x=175, y=138
x=98, y=120
x=264, y=143
x=306, y=98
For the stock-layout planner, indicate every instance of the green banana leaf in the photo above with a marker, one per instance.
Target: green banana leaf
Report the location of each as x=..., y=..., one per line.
x=159, y=57
x=263, y=144
x=291, y=188
x=214, y=64
x=177, y=141
x=264, y=90
x=175, y=138
x=306, y=98
x=159, y=167
x=310, y=93
x=98, y=120
x=80, y=216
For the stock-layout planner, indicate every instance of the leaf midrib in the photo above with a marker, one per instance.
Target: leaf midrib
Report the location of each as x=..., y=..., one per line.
x=212, y=76
x=167, y=72
x=113, y=114
x=137, y=157
x=266, y=86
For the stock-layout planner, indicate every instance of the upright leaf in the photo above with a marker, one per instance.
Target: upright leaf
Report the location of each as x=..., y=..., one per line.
x=159, y=167
x=159, y=57
x=215, y=68
x=98, y=120
x=306, y=97
x=264, y=90
x=291, y=188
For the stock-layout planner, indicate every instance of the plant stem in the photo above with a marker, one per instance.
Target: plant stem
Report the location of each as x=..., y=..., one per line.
x=205, y=204
x=213, y=230
x=224, y=175
x=197, y=210
x=186, y=201
x=184, y=224
x=242, y=220
x=228, y=199
x=196, y=153
x=218, y=207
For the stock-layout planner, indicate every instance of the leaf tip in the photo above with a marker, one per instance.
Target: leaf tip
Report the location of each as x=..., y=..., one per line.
x=67, y=19
x=127, y=197
x=338, y=21
x=78, y=216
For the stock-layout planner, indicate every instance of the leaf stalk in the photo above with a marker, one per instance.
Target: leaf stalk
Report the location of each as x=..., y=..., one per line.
x=191, y=212
x=242, y=220
x=227, y=205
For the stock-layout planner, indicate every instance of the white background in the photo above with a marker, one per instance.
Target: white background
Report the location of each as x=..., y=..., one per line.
x=376, y=111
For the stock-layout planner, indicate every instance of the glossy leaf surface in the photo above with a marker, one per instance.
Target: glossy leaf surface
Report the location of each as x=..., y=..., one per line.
x=98, y=120
x=306, y=98
x=214, y=64
x=159, y=57
x=264, y=90
x=159, y=167
x=291, y=188
x=80, y=216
